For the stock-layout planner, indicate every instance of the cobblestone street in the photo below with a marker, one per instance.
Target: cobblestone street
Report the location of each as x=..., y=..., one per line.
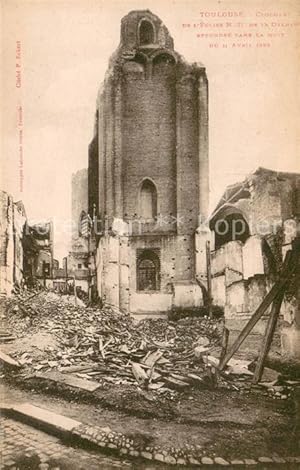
x=26, y=448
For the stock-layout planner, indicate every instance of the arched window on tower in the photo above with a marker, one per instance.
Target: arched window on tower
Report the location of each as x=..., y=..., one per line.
x=148, y=200
x=146, y=31
x=148, y=271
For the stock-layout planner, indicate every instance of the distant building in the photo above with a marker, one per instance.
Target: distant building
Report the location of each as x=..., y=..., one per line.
x=79, y=191
x=55, y=264
x=77, y=263
x=38, y=248
x=148, y=170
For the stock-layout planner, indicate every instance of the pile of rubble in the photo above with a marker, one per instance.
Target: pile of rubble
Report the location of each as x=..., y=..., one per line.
x=110, y=347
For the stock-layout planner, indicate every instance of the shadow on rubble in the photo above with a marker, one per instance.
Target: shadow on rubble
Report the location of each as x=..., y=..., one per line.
x=195, y=312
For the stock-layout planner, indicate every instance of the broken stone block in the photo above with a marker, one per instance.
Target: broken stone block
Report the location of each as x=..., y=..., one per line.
x=6, y=360
x=202, y=341
x=45, y=418
x=199, y=351
x=239, y=367
x=220, y=461
x=269, y=375
x=207, y=461
x=265, y=460
x=211, y=360
x=159, y=457
x=171, y=460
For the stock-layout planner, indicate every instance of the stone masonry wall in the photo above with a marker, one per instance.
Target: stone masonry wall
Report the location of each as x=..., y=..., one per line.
x=116, y=269
x=12, y=220
x=148, y=129
x=7, y=243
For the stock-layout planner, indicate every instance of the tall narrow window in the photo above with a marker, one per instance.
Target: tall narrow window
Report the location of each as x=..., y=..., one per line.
x=146, y=33
x=148, y=200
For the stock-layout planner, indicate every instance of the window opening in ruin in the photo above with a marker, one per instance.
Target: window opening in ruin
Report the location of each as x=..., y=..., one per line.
x=146, y=33
x=148, y=200
x=164, y=59
x=46, y=269
x=231, y=228
x=148, y=271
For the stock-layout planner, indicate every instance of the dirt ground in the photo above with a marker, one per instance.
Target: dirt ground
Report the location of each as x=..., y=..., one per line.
x=231, y=424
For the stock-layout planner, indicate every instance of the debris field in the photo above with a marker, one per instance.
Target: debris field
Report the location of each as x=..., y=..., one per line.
x=109, y=347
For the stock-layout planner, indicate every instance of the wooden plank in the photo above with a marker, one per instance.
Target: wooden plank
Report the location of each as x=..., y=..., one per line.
x=7, y=339
x=267, y=340
x=69, y=380
x=225, y=339
x=287, y=269
x=139, y=373
x=252, y=322
x=152, y=358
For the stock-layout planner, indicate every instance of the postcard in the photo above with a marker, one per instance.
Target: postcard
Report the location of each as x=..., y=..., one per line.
x=150, y=242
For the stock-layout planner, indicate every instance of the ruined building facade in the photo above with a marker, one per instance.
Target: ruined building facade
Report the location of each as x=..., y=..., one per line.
x=148, y=170
x=252, y=228
x=12, y=223
x=26, y=250
x=38, y=244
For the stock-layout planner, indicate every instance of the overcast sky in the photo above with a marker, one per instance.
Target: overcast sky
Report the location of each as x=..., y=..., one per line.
x=65, y=47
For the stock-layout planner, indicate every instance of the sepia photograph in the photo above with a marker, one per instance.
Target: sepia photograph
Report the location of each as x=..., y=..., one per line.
x=150, y=234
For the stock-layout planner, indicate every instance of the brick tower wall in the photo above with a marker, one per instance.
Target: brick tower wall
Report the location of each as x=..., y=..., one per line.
x=149, y=135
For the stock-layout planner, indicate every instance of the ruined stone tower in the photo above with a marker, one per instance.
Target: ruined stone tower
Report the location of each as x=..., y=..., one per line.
x=148, y=170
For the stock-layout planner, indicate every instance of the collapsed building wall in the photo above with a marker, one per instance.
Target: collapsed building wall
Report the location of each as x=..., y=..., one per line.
x=38, y=244
x=251, y=229
x=40, y=237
